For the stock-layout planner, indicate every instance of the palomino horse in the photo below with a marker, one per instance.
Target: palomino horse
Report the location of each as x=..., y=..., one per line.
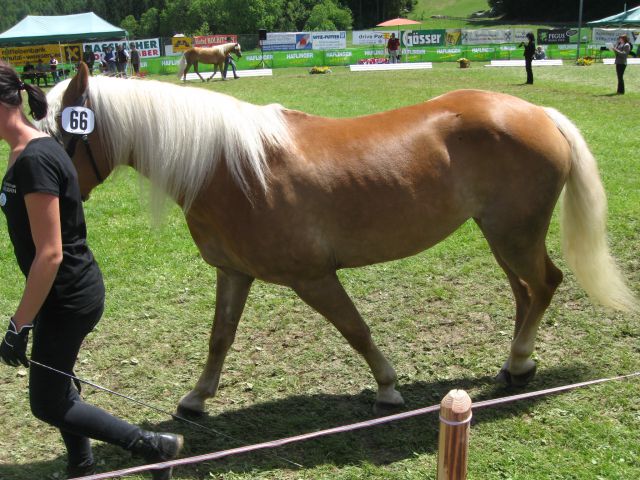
x=213, y=55
x=290, y=198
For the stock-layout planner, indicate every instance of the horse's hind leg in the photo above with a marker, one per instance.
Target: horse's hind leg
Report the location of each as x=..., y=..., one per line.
x=328, y=297
x=195, y=69
x=231, y=296
x=534, y=279
x=215, y=69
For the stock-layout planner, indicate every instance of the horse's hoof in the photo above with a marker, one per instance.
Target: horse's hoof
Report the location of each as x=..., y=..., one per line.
x=382, y=409
x=189, y=413
x=507, y=378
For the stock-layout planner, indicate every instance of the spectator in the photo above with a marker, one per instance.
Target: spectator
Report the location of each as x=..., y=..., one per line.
x=621, y=49
x=110, y=60
x=393, y=47
x=529, y=52
x=53, y=66
x=89, y=58
x=42, y=72
x=122, y=59
x=29, y=72
x=135, y=59
x=228, y=60
x=539, y=55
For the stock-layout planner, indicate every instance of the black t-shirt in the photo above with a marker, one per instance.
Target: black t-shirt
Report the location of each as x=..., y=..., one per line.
x=44, y=166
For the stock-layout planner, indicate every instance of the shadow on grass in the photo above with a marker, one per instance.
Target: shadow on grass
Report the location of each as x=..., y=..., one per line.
x=296, y=415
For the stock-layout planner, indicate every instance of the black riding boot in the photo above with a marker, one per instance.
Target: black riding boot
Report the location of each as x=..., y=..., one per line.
x=77, y=471
x=158, y=447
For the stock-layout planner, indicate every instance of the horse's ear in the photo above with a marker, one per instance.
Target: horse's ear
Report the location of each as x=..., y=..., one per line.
x=78, y=85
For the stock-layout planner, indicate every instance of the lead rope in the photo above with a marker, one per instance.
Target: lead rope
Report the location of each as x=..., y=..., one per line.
x=159, y=410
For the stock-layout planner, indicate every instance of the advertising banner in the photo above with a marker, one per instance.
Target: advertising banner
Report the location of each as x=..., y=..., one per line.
x=279, y=41
x=180, y=44
x=213, y=40
x=419, y=38
x=20, y=55
x=298, y=59
x=371, y=37
x=486, y=36
x=328, y=40
x=557, y=36
x=602, y=36
x=148, y=48
x=454, y=37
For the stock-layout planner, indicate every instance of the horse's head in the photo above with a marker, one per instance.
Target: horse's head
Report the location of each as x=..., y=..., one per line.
x=236, y=49
x=84, y=149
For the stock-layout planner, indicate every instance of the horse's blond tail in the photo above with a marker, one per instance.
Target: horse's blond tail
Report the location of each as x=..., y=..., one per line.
x=583, y=218
x=182, y=65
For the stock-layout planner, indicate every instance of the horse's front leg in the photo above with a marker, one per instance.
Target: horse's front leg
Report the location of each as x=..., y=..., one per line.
x=231, y=296
x=328, y=297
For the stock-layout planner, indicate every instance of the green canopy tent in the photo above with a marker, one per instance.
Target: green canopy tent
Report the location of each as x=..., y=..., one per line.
x=626, y=18
x=38, y=30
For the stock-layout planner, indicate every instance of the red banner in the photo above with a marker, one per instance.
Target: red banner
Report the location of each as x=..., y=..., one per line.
x=213, y=40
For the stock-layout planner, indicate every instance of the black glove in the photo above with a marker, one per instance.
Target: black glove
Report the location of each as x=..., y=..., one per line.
x=13, y=350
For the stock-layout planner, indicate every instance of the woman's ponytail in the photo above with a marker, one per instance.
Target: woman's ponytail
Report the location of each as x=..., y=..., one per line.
x=37, y=101
x=11, y=88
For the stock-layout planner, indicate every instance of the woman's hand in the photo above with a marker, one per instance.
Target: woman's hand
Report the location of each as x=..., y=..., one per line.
x=13, y=349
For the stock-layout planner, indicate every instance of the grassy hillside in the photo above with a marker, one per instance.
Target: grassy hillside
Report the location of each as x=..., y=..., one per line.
x=452, y=8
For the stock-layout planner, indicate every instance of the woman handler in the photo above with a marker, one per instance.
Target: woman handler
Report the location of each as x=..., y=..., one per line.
x=63, y=297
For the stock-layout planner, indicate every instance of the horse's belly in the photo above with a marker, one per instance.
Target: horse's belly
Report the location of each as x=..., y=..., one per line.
x=393, y=239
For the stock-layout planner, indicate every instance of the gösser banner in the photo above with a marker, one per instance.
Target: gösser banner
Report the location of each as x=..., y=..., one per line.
x=419, y=38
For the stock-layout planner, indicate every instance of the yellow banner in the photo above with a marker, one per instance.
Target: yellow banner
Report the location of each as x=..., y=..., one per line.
x=181, y=44
x=71, y=53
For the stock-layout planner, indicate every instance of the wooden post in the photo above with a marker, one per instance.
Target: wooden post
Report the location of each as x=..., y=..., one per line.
x=453, y=446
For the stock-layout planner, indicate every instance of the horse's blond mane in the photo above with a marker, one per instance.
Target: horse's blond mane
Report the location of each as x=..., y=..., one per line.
x=177, y=135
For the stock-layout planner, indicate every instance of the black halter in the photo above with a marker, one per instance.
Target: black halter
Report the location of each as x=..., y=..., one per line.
x=73, y=143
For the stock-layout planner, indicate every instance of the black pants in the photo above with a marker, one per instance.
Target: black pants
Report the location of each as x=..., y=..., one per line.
x=620, y=68
x=527, y=67
x=55, y=399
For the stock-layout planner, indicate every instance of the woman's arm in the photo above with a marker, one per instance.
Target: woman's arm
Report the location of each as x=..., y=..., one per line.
x=43, y=210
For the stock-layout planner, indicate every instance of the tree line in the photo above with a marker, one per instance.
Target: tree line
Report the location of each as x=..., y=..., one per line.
x=152, y=18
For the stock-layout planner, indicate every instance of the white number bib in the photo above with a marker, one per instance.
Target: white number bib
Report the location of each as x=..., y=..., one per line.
x=79, y=120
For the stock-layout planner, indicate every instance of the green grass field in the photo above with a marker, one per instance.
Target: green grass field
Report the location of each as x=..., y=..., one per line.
x=443, y=317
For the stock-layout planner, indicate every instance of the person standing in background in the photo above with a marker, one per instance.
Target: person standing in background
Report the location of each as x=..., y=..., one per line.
x=393, y=47
x=110, y=60
x=89, y=58
x=529, y=52
x=53, y=66
x=621, y=49
x=135, y=59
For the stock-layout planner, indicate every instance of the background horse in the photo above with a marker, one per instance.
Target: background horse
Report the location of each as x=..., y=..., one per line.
x=214, y=55
x=290, y=198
